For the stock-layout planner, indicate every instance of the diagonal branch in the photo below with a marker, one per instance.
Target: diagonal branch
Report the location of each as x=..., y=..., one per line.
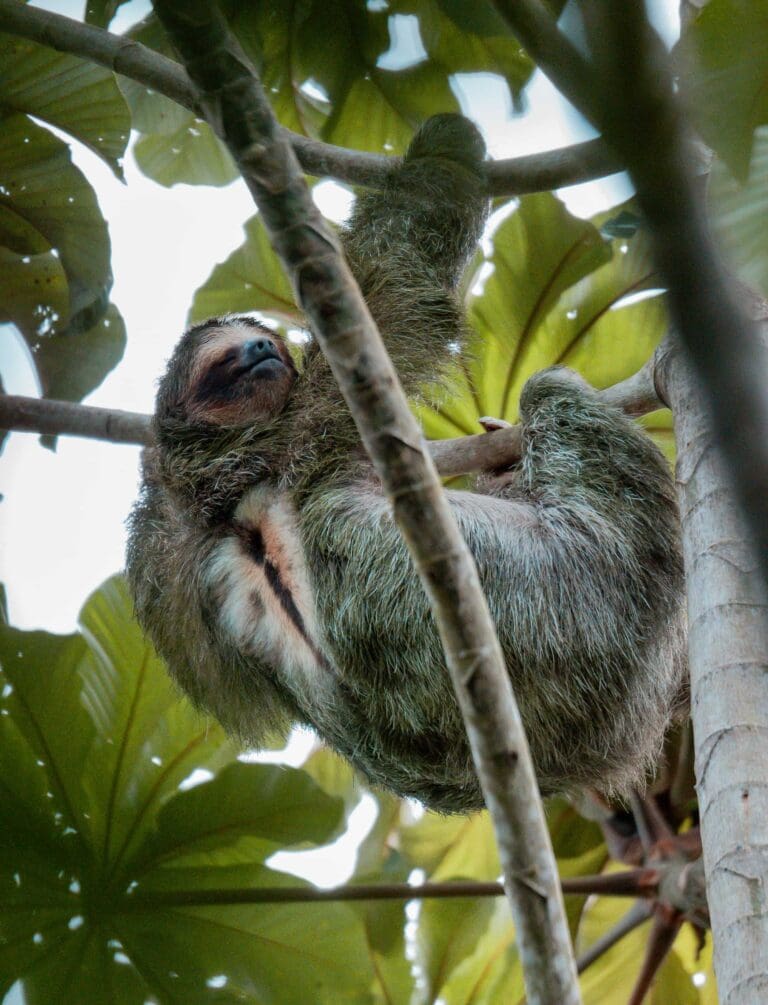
x=666, y=925
x=634, y=917
x=232, y=96
x=515, y=176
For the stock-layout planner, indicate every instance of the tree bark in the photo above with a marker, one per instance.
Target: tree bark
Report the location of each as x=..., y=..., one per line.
x=728, y=647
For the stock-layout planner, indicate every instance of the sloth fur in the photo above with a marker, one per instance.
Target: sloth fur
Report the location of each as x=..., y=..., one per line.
x=268, y=572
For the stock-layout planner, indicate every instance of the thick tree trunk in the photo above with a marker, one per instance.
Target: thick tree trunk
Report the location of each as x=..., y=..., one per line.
x=728, y=647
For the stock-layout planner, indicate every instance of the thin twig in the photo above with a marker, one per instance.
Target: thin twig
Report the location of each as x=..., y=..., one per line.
x=634, y=917
x=515, y=176
x=629, y=883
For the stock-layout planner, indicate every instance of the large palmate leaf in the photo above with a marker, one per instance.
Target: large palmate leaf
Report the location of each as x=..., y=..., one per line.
x=65, y=91
x=251, y=279
x=740, y=215
x=103, y=823
x=55, y=273
x=725, y=58
x=552, y=291
x=380, y=71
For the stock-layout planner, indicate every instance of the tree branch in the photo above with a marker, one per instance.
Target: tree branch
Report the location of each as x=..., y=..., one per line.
x=621, y=884
x=728, y=646
x=515, y=176
x=232, y=95
x=483, y=452
x=43, y=415
x=634, y=917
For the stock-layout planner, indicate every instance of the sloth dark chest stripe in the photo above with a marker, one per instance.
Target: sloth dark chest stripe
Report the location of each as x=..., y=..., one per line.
x=258, y=574
x=252, y=542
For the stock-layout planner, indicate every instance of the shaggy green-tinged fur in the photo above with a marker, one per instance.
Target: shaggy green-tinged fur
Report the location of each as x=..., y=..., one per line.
x=579, y=557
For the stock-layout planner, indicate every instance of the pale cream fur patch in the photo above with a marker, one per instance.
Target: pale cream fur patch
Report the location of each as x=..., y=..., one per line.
x=250, y=610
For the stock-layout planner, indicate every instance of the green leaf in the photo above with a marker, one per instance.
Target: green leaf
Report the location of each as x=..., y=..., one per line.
x=94, y=744
x=342, y=91
x=192, y=155
x=538, y=253
x=101, y=12
x=70, y=366
x=65, y=91
x=335, y=776
x=740, y=215
x=493, y=972
x=48, y=208
x=34, y=292
x=273, y=807
x=452, y=847
x=55, y=273
x=251, y=279
x=462, y=38
x=555, y=295
x=726, y=83
x=277, y=953
x=384, y=921
x=176, y=147
x=448, y=933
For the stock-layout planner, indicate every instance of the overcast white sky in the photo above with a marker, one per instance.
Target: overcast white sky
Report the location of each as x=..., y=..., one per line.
x=62, y=518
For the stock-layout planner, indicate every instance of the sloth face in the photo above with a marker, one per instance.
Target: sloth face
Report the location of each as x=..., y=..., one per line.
x=233, y=372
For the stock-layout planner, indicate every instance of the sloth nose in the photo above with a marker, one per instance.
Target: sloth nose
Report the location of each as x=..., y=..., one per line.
x=257, y=349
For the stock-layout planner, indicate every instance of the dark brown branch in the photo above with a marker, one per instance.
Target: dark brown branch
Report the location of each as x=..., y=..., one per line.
x=518, y=175
x=642, y=882
x=233, y=97
x=635, y=882
x=666, y=925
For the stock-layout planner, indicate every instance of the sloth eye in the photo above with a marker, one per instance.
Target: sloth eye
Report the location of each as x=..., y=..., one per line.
x=226, y=359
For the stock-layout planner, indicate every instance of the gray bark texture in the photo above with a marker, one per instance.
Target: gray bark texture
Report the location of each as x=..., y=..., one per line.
x=728, y=647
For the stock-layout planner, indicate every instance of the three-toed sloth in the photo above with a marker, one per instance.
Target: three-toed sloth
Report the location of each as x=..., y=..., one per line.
x=268, y=572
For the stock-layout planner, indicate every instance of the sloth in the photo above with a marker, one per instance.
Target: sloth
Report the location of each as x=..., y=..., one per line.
x=268, y=572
